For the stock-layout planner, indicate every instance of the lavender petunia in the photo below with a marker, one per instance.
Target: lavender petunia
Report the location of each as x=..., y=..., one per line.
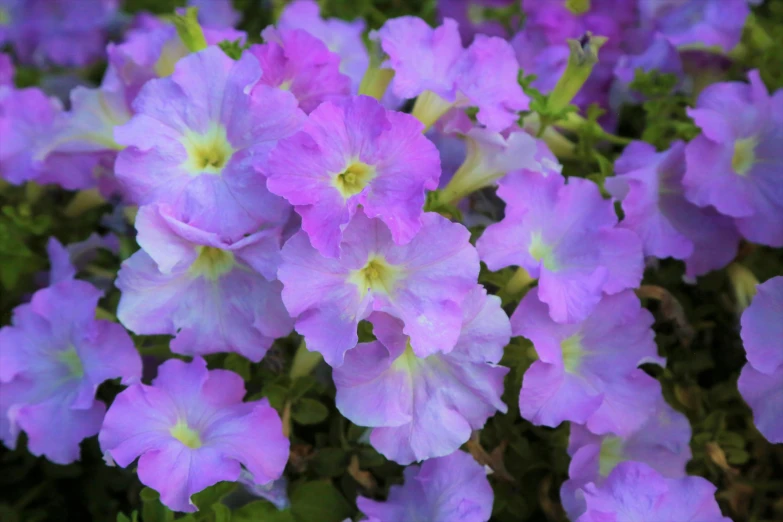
x=341, y=37
x=353, y=153
x=425, y=407
x=212, y=294
x=662, y=443
x=52, y=360
x=444, y=489
x=649, y=184
x=298, y=62
x=736, y=163
x=566, y=236
x=423, y=283
x=764, y=394
x=190, y=430
x=6, y=70
x=216, y=13
x=587, y=372
x=635, y=491
x=196, y=138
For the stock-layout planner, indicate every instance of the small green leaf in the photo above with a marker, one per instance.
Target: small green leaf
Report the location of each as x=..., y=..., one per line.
x=319, y=502
x=238, y=364
x=222, y=513
x=309, y=411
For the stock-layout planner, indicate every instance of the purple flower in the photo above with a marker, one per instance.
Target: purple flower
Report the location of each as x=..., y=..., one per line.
x=6, y=70
x=212, y=294
x=64, y=32
x=432, y=65
x=703, y=23
x=191, y=430
x=650, y=186
x=660, y=56
x=445, y=489
x=472, y=19
x=196, y=138
x=340, y=36
x=587, y=372
x=66, y=261
x=566, y=236
x=295, y=61
x=635, y=491
x=735, y=164
x=761, y=380
x=216, y=13
x=425, y=407
x=662, y=443
x=423, y=283
x=350, y=153
x=52, y=360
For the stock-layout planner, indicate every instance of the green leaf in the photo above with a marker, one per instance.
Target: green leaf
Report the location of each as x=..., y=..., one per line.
x=319, y=502
x=261, y=511
x=276, y=394
x=309, y=411
x=238, y=364
x=213, y=494
x=152, y=510
x=222, y=513
x=189, y=30
x=330, y=462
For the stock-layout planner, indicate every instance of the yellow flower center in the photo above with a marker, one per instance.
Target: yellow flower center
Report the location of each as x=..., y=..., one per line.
x=212, y=263
x=72, y=362
x=611, y=454
x=377, y=275
x=744, y=155
x=540, y=251
x=208, y=152
x=408, y=360
x=353, y=179
x=572, y=353
x=186, y=435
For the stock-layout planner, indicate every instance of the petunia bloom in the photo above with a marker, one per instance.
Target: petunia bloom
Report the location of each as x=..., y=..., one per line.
x=635, y=491
x=196, y=136
x=431, y=65
x=216, y=13
x=425, y=407
x=662, y=443
x=649, y=184
x=736, y=163
x=761, y=380
x=566, y=236
x=212, y=294
x=353, y=153
x=445, y=489
x=190, y=430
x=6, y=70
x=52, y=360
x=298, y=62
x=423, y=283
x=588, y=372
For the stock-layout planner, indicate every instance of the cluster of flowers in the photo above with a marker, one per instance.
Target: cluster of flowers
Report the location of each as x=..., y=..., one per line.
x=274, y=196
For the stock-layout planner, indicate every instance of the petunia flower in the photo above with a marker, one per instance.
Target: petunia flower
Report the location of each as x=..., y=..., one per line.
x=340, y=36
x=662, y=443
x=295, y=61
x=216, y=13
x=432, y=66
x=52, y=359
x=635, y=491
x=190, y=430
x=65, y=262
x=425, y=407
x=212, y=294
x=6, y=70
x=423, y=283
x=566, y=236
x=472, y=17
x=761, y=380
x=649, y=184
x=735, y=164
x=196, y=136
x=587, y=372
x=444, y=489
x=353, y=153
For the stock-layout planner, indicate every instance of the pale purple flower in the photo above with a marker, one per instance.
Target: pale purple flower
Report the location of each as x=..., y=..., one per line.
x=635, y=491
x=662, y=443
x=472, y=17
x=566, y=236
x=736, y=163
x=445, y=489
x=214, y=294
x=6, y=70
x=649, y=184
x=66, y=261
x=296, y=61
x=432, y=65
x=587, y=372
x=197, y=137
x=761, y=380
x=423, y=283
x=52, y=359
x=190, y=430
x=425, y=407
x=216, y=13
x=340, y=36
x=353, y=153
